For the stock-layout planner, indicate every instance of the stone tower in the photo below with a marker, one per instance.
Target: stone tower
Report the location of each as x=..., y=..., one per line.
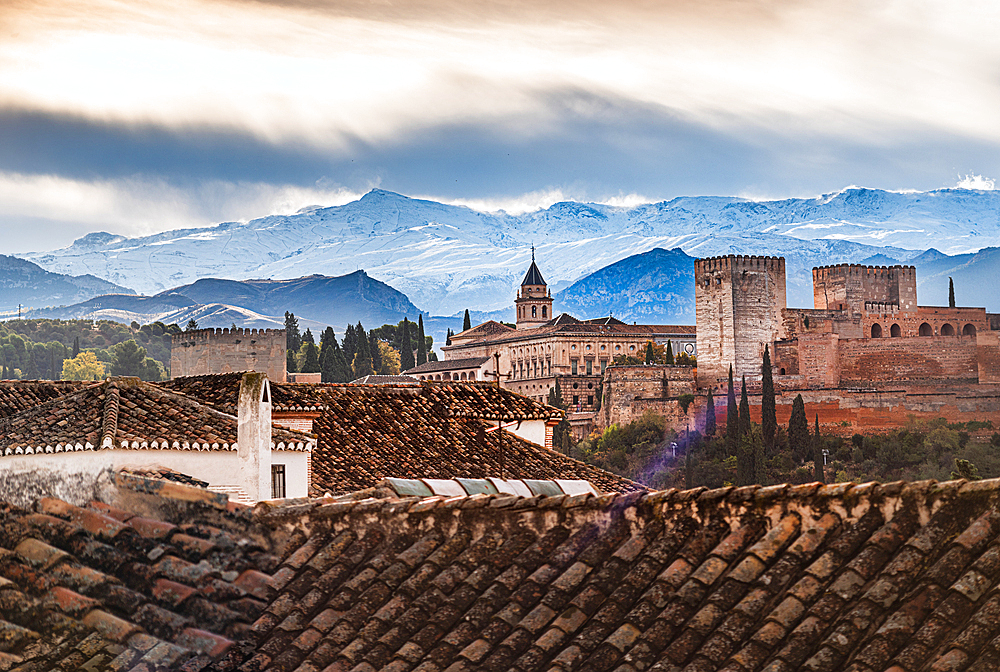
x=738, y=304
x=534, y=302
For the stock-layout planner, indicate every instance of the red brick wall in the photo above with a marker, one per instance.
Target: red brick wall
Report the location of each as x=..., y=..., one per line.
x=907, y=359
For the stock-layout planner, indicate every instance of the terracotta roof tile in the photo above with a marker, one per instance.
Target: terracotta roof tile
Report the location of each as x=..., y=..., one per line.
x=125, y=413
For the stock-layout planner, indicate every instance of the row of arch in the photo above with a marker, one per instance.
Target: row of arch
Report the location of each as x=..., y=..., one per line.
x=925, y=329
x=449, y=376
x=522, y=311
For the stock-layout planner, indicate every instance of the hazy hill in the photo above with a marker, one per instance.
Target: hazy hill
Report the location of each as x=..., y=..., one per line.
x=23, y=282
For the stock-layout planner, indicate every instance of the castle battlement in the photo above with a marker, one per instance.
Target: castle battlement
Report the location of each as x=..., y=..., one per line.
x=738, y=262
x=204, y=351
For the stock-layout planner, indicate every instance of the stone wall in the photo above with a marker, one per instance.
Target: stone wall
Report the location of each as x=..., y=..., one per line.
x=738, y=306
x=195, y=353
x=630, y=390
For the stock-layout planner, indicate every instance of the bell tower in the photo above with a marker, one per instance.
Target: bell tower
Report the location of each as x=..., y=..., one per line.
x=534, y=301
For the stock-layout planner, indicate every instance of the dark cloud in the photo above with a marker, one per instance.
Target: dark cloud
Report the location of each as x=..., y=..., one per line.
x=584, y=144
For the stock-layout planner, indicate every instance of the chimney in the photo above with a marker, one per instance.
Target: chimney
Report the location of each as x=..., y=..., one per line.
x=254, y=436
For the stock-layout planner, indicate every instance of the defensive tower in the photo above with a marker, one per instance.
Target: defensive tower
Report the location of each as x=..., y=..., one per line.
x=738, y=304
x=850, y=286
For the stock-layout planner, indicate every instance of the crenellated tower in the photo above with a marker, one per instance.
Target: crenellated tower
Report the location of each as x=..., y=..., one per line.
x=534, y=301
x=738, y=304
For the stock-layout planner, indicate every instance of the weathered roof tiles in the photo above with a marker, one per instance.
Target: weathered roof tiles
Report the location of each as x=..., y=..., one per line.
x=901, y=577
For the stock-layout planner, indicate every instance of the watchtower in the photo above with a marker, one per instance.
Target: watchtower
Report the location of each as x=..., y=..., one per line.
x=738, y=304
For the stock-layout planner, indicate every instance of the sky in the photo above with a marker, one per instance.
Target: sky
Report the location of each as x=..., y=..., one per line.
x=135, y=117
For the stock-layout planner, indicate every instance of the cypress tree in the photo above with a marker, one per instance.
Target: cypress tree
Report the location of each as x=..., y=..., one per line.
x=290, y=361
x=467, y=322
x=951, y=293
x=447, y=338
x=710, y=414
x=363, y=358
x=650, y=355
x=768, y=414
x=376, y=354
x=308, y=337
x=818, y=453
x=798, y=430
x=406, y=353
x=76, y=346
x=744, y=409
x=52, y=365
x=759, y=463
x=350, y=343
x=310, y=363
x=670, y=354
x=732, y=419
x=745, y=471
x=421, y=341
x=293, y=341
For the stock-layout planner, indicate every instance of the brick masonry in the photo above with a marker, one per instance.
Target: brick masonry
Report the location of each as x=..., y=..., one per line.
x=205, y=351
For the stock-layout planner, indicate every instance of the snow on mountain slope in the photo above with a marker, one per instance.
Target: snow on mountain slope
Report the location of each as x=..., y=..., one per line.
x=448, y=258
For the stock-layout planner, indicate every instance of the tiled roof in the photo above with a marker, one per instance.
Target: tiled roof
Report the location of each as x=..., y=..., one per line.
x=383, y=380
x=222, y=390
x=533, y=276
x=488, y=328
x=897, y=577
x=20, y=395
x=448, y=365
x=127, y=413
x=99, y=588
x=433, y=431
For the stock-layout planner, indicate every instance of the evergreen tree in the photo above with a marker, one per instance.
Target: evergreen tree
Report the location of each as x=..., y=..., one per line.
x=310, y=358
x=561, y=432
x=328, y=339
x=688, y=467
x=76, y=346
x=467, y=322
x=745, y=471
x=129, y=359
x=732, y=418
x=52, y=365
x=192, y=325
x=406, y=352
x=421, y=342
x=759, y=462
x=350, y=343
x=308, y=337
x=670, y=354
x=447, y=338
x=951, y=293
x=798, y=430
x=293, y=340
x=290, y=366
x=710, y=414
x=744, y=409
x=818, y=453
x=650, y=354
x=768, y=414
x=375, y=353
x=362, y=359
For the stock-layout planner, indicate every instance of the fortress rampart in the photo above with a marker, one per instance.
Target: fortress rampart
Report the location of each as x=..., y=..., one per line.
x=204, y=351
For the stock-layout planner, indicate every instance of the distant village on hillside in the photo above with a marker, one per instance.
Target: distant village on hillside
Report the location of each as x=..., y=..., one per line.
x=556, y=493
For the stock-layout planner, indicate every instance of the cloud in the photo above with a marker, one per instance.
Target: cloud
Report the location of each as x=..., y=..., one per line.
x=973, y=181
x=140, y=206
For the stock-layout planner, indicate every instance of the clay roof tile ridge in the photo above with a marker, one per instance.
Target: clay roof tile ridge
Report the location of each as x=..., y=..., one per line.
x=109, y=424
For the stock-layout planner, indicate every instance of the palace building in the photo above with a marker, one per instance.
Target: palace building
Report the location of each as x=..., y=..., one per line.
x=544, y=350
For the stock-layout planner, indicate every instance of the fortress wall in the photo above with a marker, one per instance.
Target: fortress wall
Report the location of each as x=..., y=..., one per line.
x=863, y=361
x=205, y=351
x=849, y=286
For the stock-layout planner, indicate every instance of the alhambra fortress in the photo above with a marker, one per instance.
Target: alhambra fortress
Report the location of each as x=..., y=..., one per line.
x=867, y=356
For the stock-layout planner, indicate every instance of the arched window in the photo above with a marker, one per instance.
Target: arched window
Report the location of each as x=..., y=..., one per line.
x=925, y=330
x=534, y=311
x=462, y=377
x=947, y=330
x=876, y=331
x=895, y=331
x=545, y=311
x=781, y=372
x=969, y=330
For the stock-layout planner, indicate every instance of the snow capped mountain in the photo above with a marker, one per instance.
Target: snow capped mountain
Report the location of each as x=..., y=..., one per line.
x=447, y=258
